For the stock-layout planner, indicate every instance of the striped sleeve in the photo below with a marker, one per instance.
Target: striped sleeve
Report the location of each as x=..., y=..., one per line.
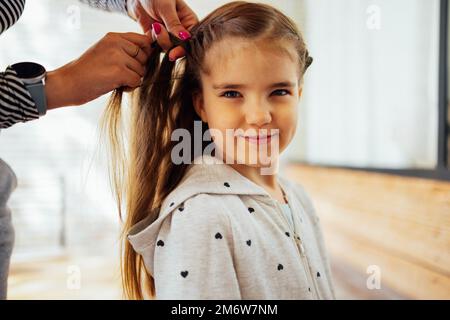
x=16, y=103
x=10, y=11
x=108, y=5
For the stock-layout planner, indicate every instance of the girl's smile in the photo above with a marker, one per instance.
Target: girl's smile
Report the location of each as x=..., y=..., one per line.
x=259, y=139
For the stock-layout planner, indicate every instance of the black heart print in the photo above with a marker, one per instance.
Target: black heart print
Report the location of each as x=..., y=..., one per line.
x=160, y=243
x=226, y=184
x=280, y=267
x=218, y=235
x=249, y=242
x=251, y=210
x=184, y=273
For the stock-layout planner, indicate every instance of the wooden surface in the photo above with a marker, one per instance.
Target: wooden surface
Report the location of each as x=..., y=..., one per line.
x=399, y=224
x=66, y=276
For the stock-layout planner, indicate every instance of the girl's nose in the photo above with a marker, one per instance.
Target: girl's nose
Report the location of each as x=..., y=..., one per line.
x=258, y=113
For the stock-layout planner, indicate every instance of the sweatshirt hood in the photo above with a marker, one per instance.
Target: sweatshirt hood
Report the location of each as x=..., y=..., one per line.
x=206, y=174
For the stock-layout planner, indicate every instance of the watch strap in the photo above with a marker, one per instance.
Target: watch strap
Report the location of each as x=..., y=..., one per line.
x=37, y=91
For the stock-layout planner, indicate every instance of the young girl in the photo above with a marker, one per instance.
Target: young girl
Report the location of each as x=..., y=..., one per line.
x=205, y=227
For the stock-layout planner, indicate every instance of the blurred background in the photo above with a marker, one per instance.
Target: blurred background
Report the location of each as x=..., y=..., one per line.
x=371, y=149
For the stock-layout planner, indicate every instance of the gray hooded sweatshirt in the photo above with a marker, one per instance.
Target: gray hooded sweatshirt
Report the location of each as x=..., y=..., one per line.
x=221, y=236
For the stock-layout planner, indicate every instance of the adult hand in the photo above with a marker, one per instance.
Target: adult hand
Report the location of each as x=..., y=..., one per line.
x=117, y=60
x=176, y=16
x=162, y=36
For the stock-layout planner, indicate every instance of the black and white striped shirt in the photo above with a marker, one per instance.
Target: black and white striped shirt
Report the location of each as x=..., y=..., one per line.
x=16, y=104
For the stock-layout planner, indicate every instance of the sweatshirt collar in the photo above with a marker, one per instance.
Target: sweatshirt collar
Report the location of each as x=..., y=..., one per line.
x=208, y=174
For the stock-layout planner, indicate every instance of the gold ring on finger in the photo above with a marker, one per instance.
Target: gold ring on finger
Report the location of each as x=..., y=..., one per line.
x=137, y=52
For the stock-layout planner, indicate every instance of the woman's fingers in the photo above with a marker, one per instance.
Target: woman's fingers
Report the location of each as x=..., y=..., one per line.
x=162, y=36
x=141, y=40
x=136, y=52
x=105, y=66
x=176, y=15
x=131, y=79
x=173, y=14
x=135, y=66
x=176, y=53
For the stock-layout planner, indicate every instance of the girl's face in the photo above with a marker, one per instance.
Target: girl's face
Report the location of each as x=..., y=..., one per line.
x=250, y=86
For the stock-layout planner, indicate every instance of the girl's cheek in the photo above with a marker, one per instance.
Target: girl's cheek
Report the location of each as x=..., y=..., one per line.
x=288, y=123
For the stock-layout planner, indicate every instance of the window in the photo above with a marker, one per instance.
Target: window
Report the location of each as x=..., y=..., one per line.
x=372, y=96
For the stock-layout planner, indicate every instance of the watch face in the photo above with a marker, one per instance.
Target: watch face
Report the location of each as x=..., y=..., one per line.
x=29, y=70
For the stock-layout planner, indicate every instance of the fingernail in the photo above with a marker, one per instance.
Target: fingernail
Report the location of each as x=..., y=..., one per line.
x=184, y=35
x=156, y=27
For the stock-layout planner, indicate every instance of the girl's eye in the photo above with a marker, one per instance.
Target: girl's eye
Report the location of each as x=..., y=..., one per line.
x=281, y=92
x=231, y=94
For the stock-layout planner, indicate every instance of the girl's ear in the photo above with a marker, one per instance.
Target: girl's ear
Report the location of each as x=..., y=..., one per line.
x=300, y=91
x=199, y=106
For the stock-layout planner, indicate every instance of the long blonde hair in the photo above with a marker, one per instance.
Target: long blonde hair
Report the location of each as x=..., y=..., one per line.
x=142, y=173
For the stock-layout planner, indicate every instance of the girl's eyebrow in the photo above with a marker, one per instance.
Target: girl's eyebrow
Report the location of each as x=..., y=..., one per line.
x=238, y=86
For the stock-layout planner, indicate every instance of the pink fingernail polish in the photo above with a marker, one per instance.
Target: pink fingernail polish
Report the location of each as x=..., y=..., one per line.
x=157, y=27
x=184, y=35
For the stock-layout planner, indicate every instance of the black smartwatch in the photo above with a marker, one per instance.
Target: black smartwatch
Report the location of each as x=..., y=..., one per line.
x=33, y=76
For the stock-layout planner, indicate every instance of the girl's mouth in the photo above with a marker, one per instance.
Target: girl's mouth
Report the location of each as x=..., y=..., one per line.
x=260, y=139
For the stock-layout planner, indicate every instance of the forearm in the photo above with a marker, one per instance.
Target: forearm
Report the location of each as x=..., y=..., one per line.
x=58, y=89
